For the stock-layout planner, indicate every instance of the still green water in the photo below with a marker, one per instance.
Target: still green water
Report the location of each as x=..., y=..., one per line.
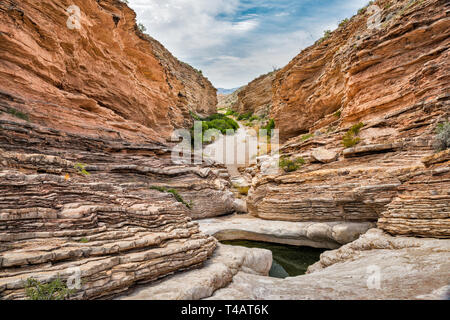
x=288, y=261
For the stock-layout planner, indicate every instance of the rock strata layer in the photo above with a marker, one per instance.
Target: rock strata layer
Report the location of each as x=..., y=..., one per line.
x=70, y=201
x=328, y=235
x=376, y=266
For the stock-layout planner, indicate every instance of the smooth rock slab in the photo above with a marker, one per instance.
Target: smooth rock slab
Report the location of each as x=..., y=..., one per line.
x=217, y=273
x=328, y=235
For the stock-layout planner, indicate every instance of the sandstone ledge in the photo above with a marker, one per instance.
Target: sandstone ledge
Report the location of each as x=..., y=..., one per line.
x=328, y=235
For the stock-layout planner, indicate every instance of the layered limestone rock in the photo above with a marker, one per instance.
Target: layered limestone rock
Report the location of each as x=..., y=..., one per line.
x=422, y=207
x=376, y=266
x=363, y=186
x=256, y=97
x=328, y=235
x=89, y=192
x=106, y=78
x=217, y=273
x=70, y=201
x=366, y=72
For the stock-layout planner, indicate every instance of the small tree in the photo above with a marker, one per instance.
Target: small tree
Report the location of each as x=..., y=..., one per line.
x=141, y=27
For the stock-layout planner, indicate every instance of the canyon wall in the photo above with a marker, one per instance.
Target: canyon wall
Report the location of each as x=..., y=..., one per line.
x=256, y=97
x=366, y=72
x=105, y=79
x=396, y=82
x=88, y=187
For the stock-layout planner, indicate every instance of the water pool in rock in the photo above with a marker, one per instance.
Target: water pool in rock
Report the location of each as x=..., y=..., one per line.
x=288, y=261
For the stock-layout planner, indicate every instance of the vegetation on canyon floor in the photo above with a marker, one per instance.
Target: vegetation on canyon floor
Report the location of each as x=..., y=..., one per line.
x=54, y=290
x=442, y=141
x=351, y=138
x=218, y=121
x=176, y=195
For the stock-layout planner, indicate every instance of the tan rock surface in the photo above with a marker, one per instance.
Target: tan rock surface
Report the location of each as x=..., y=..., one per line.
x=329, y=235
x=256, y=97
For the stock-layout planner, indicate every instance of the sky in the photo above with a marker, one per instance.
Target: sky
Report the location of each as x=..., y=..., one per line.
x=235, y=41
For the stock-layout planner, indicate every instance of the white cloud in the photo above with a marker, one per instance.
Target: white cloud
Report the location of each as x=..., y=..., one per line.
x=232, y=52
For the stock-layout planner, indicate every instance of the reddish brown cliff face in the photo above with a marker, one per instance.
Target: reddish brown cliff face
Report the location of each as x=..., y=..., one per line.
x=106, y=79
x=256, y=97
x=366, y=73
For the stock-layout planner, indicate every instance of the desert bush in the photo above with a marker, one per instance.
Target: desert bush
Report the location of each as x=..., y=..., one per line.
x=245, y=116
x=216, y=121
x=55, y=290
x=289, y=165
x=18, y=114
x=307, y=136
x=442, y=140
x=350, y=138
x=141, y=27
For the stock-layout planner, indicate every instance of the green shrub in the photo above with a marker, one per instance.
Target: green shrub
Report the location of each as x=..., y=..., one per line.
x=55, y=290
x=232, y=113
x=176, y=195
x=270, y=126
x=343, y=22
x=355, y=129
x=84, y=240
x=18, y=114
x=245, y=116
x=216, y=121
x=442, y=141
x=338, y=114
x=307, y=136
x=141, y=27
x=350, y=141
x=81, y=168
x=350, y=138
x=291, y=165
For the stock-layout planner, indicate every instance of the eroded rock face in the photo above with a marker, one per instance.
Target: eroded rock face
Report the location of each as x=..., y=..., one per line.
x=106, y=220
x=256, y=97
x=366, y=72
x=105, y=79
x=327, y=235
x=85, y=169
x=408, y=191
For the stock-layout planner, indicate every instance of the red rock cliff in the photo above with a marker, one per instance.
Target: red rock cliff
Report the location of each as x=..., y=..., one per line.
x=366, y=72
x=106, y=79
